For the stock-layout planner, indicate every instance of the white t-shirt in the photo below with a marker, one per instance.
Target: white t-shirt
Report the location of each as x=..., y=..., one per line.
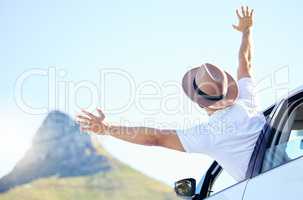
x=229, y=136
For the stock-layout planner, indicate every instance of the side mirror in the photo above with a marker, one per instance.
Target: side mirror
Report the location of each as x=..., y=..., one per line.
x=185, y=187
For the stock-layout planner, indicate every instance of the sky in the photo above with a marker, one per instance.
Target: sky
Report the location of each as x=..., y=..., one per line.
x=128, y=57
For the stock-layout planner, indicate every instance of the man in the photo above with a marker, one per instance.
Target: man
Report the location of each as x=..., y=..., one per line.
x=234, y=123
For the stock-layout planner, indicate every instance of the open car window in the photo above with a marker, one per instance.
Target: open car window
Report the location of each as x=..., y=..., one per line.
x=290, y=143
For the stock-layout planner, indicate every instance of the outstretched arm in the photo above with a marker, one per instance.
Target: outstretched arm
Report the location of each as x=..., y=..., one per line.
x=138, y=135
x=245, y=54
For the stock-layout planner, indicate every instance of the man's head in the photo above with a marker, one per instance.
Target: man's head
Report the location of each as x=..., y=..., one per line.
x=210, y=87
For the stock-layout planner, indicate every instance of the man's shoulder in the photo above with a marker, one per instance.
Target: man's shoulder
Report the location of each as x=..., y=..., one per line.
x=243, y=112
x=239, y=111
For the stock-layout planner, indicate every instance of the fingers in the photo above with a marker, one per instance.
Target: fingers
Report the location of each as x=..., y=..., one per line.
x=101, y=114
x=247, y=11
x=89, y=114
x=82, y=117
x=235, y=27
x=251, y=12
x=83, y=123
x=82, y=120
x=238, y=14
x=243, y=11
x=92, y=123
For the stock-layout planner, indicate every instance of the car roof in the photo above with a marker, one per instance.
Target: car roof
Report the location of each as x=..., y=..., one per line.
x=295, y=91
x=287, y=95
x=290, y=93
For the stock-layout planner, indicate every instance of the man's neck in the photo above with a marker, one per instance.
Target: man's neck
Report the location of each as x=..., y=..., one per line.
x=210, y=111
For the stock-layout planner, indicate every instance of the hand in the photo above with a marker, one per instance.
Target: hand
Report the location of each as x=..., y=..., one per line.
x=90, y=122
x=245, y=21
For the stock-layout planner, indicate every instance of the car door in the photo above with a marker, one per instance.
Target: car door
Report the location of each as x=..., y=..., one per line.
x=225, y=187
x=280, y=173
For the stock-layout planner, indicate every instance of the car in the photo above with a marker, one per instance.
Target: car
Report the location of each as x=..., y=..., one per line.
x=276, y=165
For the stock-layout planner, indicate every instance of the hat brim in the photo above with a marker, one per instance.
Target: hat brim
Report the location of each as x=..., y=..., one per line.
x=229, y=99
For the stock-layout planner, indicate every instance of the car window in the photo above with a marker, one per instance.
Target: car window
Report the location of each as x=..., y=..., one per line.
x=290, y=145
x=223, y=181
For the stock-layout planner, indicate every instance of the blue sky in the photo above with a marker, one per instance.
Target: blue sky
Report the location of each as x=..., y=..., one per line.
x=152, y=42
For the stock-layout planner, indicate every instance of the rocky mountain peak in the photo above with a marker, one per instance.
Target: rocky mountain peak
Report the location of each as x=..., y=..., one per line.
x=59, y=148
x=56, y=124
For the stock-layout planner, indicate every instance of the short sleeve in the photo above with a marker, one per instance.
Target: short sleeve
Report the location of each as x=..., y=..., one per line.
x=247, y=91
x=198, y=139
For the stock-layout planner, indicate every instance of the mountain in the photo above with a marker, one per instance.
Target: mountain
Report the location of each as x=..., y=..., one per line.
x=64, y=163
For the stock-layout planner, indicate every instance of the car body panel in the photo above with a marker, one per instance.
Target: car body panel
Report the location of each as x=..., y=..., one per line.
x=283, y=182
x=234, y=192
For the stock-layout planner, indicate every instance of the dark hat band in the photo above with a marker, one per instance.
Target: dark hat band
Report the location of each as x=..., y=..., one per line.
x=206, y=96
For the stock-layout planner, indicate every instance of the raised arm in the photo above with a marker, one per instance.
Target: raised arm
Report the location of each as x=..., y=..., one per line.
x=244, y=26
x=138, y=135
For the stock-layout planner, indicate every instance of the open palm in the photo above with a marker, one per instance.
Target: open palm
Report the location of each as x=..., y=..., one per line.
x=245, y=20
x=91, y=122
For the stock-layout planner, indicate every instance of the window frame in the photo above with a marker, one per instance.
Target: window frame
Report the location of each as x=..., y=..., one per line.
x=274, y=133
x=281, y=135
x=255, y=163
x=280, y=124
x=288, y=114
